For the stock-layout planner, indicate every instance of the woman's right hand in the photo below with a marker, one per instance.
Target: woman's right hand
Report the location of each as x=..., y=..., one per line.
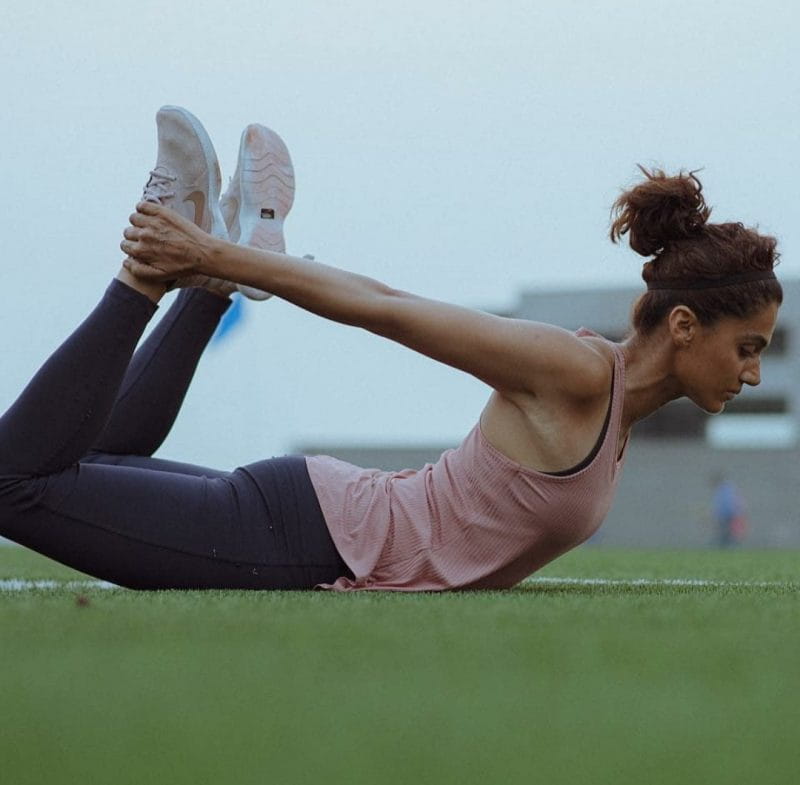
x=161, y=245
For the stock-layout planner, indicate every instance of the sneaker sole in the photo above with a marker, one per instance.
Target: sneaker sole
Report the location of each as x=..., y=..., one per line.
x=266, y=193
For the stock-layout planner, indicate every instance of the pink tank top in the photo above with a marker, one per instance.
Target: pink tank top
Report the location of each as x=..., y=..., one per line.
x=475, y=519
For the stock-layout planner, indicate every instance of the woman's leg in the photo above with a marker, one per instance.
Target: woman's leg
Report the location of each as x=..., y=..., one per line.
x=157, y=379
x=259, y=527
x=154, y=464
x=65, y=406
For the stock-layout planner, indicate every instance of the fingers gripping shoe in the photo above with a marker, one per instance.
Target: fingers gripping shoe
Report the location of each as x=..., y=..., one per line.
x=260, y=195
x=187, y=179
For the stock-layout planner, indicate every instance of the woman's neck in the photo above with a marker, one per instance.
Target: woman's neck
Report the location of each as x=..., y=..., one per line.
x=650, y=381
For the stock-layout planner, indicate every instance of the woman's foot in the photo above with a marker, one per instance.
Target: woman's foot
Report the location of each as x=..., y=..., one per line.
x=260, y=195
x=187, y=179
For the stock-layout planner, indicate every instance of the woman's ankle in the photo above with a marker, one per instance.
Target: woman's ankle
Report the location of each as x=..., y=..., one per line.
x=155, y=291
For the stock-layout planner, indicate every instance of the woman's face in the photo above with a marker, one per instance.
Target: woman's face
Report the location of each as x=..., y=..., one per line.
x=720, y=359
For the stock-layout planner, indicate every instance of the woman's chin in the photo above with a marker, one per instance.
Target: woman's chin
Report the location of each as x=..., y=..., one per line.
x=714, y=407
x=709, y=406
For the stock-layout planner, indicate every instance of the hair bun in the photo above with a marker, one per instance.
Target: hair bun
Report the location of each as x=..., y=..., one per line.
x=659, y=210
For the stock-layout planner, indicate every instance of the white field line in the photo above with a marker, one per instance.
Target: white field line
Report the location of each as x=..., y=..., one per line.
x=20, y=584
x=630, y=582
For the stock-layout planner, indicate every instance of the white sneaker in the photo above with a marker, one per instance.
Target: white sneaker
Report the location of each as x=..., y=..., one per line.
x=187, y=179
x=260, y=195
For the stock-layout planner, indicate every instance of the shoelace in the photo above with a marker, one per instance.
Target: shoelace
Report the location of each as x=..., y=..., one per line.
x=158, y=186
x=156, y=190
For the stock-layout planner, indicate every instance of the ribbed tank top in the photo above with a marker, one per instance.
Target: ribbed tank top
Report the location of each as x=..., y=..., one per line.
x=475, y=519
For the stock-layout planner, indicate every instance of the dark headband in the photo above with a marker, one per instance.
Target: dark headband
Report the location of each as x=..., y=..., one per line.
x=713, y=283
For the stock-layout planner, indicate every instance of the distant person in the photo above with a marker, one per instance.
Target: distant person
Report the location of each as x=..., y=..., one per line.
x=730, y=516
x=534, y=477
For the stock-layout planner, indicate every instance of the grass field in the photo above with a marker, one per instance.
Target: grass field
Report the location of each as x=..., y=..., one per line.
x=558, y=681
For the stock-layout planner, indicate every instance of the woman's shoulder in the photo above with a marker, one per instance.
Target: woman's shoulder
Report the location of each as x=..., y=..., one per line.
x=589, y=373
x=602, y=347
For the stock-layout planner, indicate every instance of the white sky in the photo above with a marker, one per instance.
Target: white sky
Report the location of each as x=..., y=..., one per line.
x=460, y=150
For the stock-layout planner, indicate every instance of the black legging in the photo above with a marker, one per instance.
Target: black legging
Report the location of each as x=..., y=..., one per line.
x=77, y=482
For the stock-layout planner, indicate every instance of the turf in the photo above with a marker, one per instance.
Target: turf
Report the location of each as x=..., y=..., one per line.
x=551, y=683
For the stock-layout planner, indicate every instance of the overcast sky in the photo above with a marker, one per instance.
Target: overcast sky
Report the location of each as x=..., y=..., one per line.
x=461, y=150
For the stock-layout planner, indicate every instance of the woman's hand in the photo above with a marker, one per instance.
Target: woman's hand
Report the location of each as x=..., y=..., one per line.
x=162, y=245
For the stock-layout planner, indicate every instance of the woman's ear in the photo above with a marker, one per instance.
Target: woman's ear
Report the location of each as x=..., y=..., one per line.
x=683, y=326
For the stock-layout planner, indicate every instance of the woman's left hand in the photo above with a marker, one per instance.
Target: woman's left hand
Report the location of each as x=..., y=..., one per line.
x=162, y=245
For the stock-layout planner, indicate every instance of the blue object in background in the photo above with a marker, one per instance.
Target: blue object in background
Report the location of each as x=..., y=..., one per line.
x=231, y=320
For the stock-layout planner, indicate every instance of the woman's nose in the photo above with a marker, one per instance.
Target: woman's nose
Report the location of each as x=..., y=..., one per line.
x=752, y=373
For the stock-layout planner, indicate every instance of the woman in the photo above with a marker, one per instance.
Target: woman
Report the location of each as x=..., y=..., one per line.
x=534, y=478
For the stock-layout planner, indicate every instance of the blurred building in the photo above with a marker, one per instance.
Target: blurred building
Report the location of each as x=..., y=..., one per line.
x=665, y=494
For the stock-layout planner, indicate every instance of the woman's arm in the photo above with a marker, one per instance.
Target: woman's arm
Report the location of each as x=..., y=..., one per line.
x=510, y=355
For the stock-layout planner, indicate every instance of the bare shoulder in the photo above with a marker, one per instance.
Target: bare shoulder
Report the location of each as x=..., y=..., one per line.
x=582, y=365
x=602, y=348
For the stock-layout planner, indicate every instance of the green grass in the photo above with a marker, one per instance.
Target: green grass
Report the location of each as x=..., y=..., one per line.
x=549, y=683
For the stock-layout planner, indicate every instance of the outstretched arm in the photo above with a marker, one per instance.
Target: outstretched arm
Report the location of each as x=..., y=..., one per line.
x=510, y=355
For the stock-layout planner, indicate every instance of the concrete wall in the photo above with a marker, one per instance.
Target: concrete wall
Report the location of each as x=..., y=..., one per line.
x=664, y=498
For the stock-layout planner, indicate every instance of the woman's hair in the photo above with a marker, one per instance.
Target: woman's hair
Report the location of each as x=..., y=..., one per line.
x=667, y=218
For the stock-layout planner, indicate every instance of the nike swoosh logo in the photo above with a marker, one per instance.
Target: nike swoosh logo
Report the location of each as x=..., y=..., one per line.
x=198, y=198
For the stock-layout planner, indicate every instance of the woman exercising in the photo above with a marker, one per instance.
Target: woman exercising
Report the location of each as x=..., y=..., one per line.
x=534, y=478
